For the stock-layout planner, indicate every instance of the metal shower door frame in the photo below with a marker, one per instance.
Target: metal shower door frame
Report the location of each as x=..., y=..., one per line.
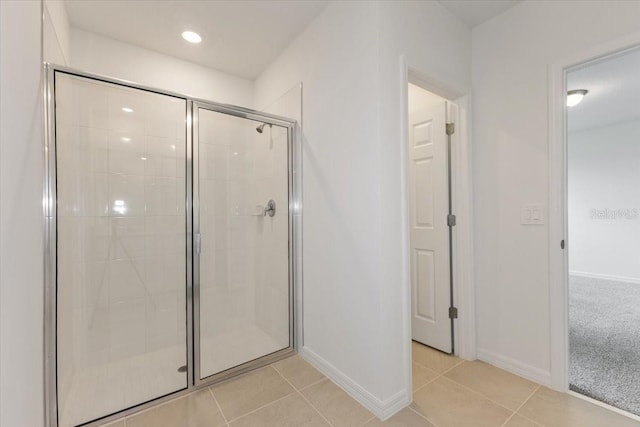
x=197, y=105
x=192, y=222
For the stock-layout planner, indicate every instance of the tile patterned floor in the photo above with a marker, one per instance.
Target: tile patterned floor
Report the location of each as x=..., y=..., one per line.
x=447, y=392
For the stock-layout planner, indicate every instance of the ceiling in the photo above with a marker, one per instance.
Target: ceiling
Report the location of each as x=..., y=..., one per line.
x=240, y=37
x=614, y=92
x=475, y=12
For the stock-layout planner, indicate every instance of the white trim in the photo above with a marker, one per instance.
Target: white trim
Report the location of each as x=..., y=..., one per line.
x=604, y=405
x=558, y=258
x=558, y=302
x=382, y=409
x=632, y=280
x=463, y=289
x=516, y=367
x=405, y=253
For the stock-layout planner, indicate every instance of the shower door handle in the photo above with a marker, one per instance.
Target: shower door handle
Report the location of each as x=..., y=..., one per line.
x=197, y=243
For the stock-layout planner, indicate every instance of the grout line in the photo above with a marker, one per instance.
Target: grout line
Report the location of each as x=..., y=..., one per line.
x=438, y=375
x=369, y=420
x=479, y=394
x=453, y=367
x=424, y=385
x=305, y=398
x=273, y=365
x=529, y=419
x=217, y=404
x=443, y=374
x=421, y=415
x=314, y=383
x=261, y=407
x=528, y=398
x=521, y=405
x=513, y=414
x=315, y=409
x=302, y=388
x=425, y=367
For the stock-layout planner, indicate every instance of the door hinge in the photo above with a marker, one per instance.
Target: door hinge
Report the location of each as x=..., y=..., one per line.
x=197, y=243
x=451, y=128
x=561, y=244
x=453, y=312
x=451, y=220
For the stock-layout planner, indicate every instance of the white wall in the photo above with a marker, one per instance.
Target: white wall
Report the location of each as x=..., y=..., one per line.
x=511, y=54
x=21, y=221
x=354, y=229
x=105, y=56
x=604, y=172
x=334, y=58
x=56, y=37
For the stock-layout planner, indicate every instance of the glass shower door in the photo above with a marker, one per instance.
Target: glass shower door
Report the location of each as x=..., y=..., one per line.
x=243, y=309
x=121, y=251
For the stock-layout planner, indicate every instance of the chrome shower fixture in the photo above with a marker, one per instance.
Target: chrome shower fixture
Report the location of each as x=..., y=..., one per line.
x=260, y=128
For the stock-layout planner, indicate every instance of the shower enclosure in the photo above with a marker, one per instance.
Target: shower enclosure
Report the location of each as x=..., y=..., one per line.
x=170, y=242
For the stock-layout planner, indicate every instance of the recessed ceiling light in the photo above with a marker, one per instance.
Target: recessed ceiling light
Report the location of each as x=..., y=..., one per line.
x=127, y=109
x=125, y=139
x=143, y=158
x=574, y=97
x=191, y=37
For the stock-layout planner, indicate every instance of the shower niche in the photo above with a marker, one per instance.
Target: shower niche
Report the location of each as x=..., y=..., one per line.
x=170, y=245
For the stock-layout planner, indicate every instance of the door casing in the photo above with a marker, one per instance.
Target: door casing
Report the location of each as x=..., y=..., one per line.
x=464, y=327
x=558, y=218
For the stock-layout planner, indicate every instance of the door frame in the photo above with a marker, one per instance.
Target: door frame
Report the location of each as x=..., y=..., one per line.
x=464, y=328
x=558, y=218
x=193, y=118
x=294, y=209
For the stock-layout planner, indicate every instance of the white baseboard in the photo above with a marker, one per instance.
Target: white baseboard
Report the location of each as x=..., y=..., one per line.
x=382, y=409
x=588, y=275
x=516, y=367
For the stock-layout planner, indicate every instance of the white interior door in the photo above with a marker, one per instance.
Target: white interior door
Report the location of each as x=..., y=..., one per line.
x=429, y=233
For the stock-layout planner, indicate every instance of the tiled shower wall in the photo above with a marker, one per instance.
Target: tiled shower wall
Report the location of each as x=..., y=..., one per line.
x=226, y=281
x=270, y=179
x=121, y=229
x=244, y=309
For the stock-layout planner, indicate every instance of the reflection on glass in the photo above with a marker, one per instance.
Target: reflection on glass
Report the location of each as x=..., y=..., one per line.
x=244, y=276
x=121, y=247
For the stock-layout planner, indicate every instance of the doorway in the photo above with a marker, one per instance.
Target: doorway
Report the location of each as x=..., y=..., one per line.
x=603, y=226
x=431, y=219
x=170, y=238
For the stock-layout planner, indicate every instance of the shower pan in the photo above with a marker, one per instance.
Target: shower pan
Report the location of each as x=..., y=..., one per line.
x=169, y=235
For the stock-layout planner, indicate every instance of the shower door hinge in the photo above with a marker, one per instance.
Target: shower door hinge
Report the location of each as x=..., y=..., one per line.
x=451, y=128
x=197, y=243
x=451, y=220
x=561, y=244
x=453, y=312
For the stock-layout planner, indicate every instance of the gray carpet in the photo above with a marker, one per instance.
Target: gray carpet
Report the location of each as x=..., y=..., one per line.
x=604, y=341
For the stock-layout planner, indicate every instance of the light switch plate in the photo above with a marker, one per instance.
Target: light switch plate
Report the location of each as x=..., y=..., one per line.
x=532, y=214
